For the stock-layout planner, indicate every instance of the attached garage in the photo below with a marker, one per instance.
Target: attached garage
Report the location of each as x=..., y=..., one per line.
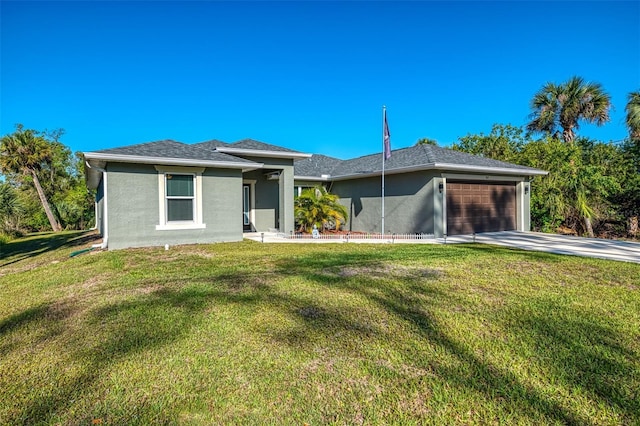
x=480, y=207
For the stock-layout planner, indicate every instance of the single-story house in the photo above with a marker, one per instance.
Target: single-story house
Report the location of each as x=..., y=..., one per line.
x=168, y=192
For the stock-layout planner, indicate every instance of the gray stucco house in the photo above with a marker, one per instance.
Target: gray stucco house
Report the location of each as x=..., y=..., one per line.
x=168, y=192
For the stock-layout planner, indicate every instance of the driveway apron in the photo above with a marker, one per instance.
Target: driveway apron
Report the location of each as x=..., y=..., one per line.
x=563, y=244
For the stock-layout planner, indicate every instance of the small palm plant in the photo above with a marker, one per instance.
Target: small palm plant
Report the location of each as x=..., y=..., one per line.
x=316, y=206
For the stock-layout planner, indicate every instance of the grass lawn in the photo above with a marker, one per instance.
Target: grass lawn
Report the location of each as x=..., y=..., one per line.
x=252, y=333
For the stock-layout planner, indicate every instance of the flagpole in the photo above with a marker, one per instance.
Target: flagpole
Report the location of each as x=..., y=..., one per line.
x=384, y=116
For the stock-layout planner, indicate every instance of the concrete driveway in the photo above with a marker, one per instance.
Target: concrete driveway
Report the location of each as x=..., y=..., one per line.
x=560, y=244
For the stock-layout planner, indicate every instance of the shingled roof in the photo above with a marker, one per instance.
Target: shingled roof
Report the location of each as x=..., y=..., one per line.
x=316, y=166
x=172, y=149
x=412, y=158
x=212, y=144
x=258, y=146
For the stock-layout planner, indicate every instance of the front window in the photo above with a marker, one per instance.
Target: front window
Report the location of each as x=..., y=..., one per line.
x=180, y=197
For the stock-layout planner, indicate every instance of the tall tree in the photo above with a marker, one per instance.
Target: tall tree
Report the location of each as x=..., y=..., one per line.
x=633, y=115
x=24, y=153
x=563, y=106
x=504, y=143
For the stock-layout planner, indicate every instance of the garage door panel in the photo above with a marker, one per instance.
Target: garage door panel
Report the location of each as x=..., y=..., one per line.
x=480, y=207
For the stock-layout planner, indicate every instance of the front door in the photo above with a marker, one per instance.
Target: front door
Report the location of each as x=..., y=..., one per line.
x=246, y=207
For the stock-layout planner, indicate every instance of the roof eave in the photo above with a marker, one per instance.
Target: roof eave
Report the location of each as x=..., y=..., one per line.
x=493, y=170
x=445, y=166
x=312, y=178
x=172, y=161
x=263, y=153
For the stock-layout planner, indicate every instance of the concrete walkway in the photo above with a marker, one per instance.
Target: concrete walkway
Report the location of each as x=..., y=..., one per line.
x=535, y=241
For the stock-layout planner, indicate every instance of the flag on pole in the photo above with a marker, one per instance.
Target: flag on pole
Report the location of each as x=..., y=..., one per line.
x=387, y=138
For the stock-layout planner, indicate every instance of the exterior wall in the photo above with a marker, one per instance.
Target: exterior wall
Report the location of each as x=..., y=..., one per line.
x=273, y=207
x=133, y=208
x=409, y=200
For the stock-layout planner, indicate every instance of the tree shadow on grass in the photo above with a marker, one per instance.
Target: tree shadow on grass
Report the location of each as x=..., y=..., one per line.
x=122, y=329
x=171, y=306
x=164, y=312
x=587, y=354
x=32, y=246
x=48, y=315
x=596, y=369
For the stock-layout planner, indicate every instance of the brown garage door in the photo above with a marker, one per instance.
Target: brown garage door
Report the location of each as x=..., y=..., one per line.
x=480, y=207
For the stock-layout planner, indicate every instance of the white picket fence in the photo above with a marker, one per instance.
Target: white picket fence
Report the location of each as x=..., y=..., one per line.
x=357, y=236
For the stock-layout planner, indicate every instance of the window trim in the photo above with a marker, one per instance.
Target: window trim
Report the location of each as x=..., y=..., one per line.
x=168, y=198
x=166, y=225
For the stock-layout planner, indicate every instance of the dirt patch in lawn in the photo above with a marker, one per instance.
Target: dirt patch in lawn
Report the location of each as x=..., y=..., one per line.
x=383, y=271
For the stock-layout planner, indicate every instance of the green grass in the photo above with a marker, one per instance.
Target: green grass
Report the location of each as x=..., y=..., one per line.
x=252, y=333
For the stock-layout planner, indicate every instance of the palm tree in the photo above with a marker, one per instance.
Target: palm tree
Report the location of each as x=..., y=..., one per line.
x=633, y=115
x=316, y=206
x=10, y=210
x=563, y=106
x=23, y=153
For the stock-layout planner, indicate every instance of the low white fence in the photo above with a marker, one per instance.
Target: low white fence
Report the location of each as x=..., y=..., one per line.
x=356, y=236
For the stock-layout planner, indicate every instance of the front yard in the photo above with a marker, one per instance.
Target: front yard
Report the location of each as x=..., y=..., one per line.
x=252, y=333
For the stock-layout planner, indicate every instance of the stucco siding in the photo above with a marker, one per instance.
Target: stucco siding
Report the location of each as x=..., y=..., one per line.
x=287, y=220
x=222, y=203
x=133, y=198
x=408, y=203
x=523, y=194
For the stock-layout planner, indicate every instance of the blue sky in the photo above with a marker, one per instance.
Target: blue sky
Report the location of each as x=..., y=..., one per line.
x=311, y=76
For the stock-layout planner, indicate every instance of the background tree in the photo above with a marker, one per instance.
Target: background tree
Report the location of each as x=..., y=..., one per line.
x=53, y=172
x=11, y=211
x=24, y=153
x=427, y=141
x=584, y=180
x=633, y=116
x=629, y=199
x=592, y=187
x=563, y=106
x=503, y=143
x=316, y=206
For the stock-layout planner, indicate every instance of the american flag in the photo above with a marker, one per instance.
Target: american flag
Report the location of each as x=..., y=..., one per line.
x=386, y=138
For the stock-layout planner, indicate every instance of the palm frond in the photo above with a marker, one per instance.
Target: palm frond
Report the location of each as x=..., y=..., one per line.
x=633, y=115
x=565, y=105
